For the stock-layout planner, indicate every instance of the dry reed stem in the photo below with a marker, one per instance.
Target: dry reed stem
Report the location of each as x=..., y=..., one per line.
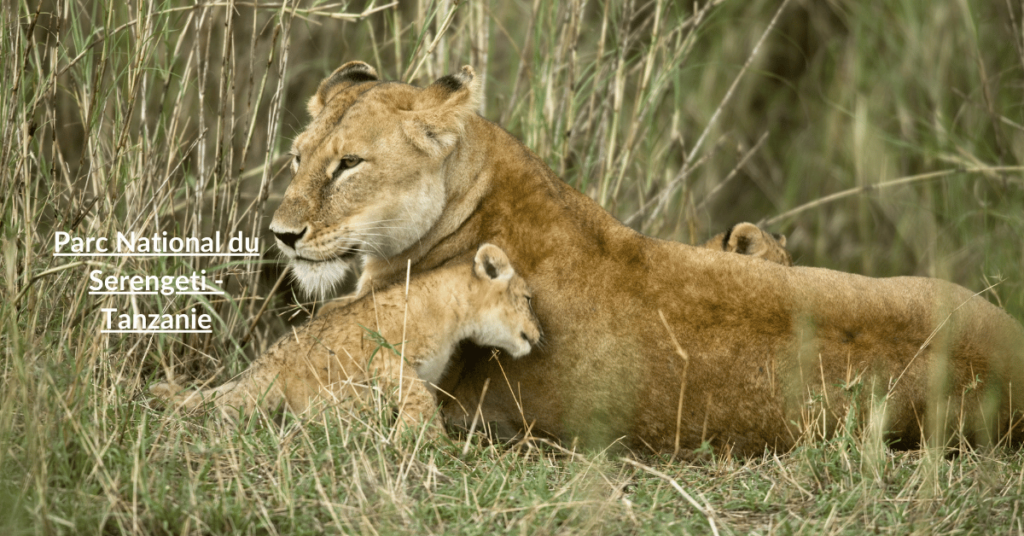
x=636, y=120
x=685, y=169
x=572, y=42
x=735, y=170
x=887, y=184
x=703, y=510
x=410, y=75
x=682, y=385
x=477, y=415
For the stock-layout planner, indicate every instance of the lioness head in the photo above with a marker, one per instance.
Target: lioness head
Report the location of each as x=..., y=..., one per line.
x=749, y=239
x=503, y=304
x=368, y=170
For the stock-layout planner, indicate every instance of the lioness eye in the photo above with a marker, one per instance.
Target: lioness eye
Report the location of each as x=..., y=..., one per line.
x=295, y=162
x=347, y=162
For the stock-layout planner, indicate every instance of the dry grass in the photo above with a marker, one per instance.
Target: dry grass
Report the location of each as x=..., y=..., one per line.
x=883, y=138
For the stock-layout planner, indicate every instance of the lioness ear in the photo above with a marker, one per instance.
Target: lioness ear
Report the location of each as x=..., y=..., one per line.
x=459, y=92
x=492, y=263
x=440, y=111
x=351, y=73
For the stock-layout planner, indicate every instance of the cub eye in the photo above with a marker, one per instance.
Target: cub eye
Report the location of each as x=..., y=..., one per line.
x=529, y=302
x=347, y=162
x=295, y=163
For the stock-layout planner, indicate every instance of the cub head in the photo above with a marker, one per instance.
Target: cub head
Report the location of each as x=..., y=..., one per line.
x=368, y=178
x=502, y=304
x=749, y=239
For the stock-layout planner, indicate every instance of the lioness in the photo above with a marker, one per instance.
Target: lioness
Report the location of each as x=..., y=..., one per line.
x=334, y=357
x=749, y=239
x=387, y=172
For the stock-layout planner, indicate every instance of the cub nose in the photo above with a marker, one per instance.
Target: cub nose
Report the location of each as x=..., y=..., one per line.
x=531, y=338
x=289, y=239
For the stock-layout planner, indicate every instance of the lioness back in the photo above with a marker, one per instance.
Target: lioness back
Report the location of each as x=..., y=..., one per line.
x=661, y=344
x=341, y=353
x=749, y=239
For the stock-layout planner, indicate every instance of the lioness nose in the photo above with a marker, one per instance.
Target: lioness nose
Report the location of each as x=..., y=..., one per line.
x=289, y=239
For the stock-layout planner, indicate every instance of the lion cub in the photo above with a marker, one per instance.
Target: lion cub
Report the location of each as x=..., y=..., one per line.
x=748, y=239
x=340, y=352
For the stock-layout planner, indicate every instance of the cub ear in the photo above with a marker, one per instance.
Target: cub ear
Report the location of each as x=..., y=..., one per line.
x=780, y=238
x=440, y=111
x=745, y=239
x=349, y=74
x=491, y=263
x=748, y=239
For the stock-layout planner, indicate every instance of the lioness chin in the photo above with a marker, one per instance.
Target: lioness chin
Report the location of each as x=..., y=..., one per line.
x=387, y=173
x=335, y=357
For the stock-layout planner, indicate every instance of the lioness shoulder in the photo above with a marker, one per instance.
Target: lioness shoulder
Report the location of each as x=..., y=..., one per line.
x=339, y=354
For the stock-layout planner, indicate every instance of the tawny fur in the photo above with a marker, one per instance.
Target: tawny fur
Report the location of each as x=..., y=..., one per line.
x=749, y=239
x=334, y=358
x=763, y=345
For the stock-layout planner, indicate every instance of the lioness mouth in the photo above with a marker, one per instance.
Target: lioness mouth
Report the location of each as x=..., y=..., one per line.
x=347, y=255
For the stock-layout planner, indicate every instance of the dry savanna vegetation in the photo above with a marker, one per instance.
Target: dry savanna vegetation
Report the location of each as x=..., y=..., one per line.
x=883, y=138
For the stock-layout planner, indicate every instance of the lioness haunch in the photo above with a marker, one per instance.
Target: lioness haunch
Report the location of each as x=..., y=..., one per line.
x=332, y=358
x=387, y=172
